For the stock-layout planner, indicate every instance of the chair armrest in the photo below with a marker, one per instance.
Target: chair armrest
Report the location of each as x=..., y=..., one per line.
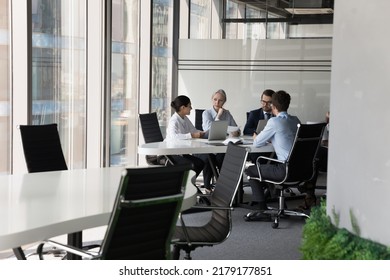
x=270, y=160
x=73, y=250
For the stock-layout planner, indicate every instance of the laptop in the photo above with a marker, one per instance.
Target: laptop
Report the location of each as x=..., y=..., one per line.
x=218, y=130
x=260, y=126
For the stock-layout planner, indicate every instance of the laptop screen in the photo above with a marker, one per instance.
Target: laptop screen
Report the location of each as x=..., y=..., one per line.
x=260, y=126
x=218, y=130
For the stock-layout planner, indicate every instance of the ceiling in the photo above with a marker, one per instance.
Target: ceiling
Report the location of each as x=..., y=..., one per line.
x=296, y=11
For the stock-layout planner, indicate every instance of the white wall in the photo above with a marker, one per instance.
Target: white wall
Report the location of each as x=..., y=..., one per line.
x=359, y=154
x=244, y=68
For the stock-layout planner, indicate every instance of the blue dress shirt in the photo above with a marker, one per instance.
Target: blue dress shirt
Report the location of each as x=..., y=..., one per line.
x=209, y=116
x=280, y=131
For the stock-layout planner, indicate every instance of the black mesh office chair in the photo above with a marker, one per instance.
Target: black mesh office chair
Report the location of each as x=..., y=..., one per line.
x=300, y=168
x=144, y=215
x=43, y=152
x=152, y=133
x=42, y=148
x=199, y=119
x=218, y=228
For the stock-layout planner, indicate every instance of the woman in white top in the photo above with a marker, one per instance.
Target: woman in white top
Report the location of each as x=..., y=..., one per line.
x=180, y=127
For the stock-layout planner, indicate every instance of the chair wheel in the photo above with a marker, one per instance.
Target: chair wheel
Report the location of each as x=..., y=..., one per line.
x=247, y=217
x=275, y=224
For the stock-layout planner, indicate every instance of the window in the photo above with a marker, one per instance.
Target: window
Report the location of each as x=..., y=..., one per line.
x=162, y=22
x=59, y=72
x=124, y=90
x=200, y=19
x=251, y=30
x=5, y=92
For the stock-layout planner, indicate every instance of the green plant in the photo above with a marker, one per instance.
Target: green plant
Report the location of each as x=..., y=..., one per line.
x=324, y=241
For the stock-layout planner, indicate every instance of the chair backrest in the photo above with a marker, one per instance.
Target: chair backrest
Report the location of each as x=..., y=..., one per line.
x=145, y=213
x=199, y=119
x=301, y=160
x=150, y=128
x=230, y=176
x=42, y=148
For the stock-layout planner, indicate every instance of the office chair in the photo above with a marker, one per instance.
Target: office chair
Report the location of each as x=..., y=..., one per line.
x=43, y=152
x=42, y=148
x=144, y=215
x=199, y=119
x=300, y=168
x=218, y=228
x=152, y=133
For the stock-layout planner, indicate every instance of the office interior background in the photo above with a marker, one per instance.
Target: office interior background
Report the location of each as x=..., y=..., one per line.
x=92, y=66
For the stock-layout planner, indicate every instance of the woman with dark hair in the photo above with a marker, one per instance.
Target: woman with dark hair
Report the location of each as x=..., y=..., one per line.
x=180, y=127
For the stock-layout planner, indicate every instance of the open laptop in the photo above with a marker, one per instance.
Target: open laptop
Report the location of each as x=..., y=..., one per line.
x=218, y=130
x=260, y=126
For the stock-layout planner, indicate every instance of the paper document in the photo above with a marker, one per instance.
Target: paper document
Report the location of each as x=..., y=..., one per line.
x=233, y=140
x=232, y=128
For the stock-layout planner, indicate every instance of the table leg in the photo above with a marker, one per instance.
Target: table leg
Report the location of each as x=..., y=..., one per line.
x=19, y=254
x=75, y=239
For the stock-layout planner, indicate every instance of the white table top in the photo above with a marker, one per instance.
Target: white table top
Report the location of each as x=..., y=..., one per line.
x=39, y=206
x=191, y=146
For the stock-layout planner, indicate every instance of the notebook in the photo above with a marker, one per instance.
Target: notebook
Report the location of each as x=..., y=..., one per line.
x=218, y=130
x=260, y=126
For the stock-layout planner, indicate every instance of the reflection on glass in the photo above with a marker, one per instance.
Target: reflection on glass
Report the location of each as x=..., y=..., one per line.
x=276, y=30
x=5, y=94
x=231, y=12
x=59, y=72
x=124, y=98
x=162, y=33
x=257, y=30
x=200, y=19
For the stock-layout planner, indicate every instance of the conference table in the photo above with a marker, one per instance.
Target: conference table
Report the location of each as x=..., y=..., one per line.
x=197, y=146
x=202, y=146
x=38, y=206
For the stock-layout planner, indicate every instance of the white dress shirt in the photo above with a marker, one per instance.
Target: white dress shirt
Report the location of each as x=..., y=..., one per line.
x=179, y=128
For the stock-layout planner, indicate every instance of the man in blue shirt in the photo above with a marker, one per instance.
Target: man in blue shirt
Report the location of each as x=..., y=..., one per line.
x=280, y=131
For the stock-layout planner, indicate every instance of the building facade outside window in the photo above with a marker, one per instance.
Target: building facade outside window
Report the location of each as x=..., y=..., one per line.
x=161, y=60
x=124, y=76
x=59, y=72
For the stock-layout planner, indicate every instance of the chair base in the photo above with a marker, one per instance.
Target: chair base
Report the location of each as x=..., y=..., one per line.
x=273, y=214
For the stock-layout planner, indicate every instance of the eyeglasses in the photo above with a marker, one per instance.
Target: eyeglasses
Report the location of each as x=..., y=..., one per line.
x=266, y=102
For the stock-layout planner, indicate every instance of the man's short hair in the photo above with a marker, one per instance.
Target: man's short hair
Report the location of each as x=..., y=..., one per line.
x=268, y=92
x=281, y=100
